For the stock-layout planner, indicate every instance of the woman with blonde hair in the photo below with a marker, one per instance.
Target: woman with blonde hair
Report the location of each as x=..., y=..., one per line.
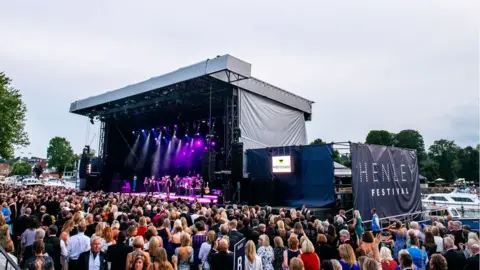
x=358, y=224
x=205, y=249
x=388, y=263
x=184, y=253
x=265, y=252
x=347, y=257
x=278, y=251
x=153, y=244
x=371, y=264
x=160, y=260
x=68, y=227
x=309, y=257
x=281, y=230
x=296, y=264
x=99, y=230
x=252, y=260
x=142, y=227
x=107, y=239
x=185, y=226
x=4, y=231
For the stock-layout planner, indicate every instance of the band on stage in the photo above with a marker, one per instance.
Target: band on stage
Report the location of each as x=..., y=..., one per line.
x=188, y=185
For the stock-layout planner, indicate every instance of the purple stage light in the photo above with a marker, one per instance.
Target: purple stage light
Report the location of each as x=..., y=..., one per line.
x=206, y=148
x=186, y=143
x=193, y=150
x=175, y=126
x=164, y=137
x=184, y=153
x=153, y=129
x=213, y=143
x=198, y=133
x=199, y=142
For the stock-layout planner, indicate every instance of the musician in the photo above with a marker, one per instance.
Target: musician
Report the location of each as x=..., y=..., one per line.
x=193, y=185
x=146, y=183
x=163, y=188
x=176, y=184
x=153, y=183
x=168, y=185
x=134, y=186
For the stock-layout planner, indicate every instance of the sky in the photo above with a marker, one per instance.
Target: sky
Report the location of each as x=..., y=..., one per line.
x=368, y=65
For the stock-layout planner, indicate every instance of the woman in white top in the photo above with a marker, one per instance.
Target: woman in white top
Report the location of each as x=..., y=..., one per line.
x=3, y=261
x=437, y=238
x=205, y=249
x=252, y=260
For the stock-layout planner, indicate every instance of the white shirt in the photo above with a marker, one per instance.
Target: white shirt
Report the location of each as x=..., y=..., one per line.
x=3, y=262
x=78, y=244
x=94, y=264
x=63, y=248
x=256, y=265
x=439, y=242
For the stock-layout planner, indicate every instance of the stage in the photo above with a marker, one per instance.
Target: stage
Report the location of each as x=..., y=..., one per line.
x=173, y=197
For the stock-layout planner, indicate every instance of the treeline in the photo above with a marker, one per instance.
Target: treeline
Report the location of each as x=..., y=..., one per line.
x=443, y=159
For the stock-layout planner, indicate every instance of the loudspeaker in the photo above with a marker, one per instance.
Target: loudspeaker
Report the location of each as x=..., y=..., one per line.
x=84, y=164
x=237, y=162
x=208, y=166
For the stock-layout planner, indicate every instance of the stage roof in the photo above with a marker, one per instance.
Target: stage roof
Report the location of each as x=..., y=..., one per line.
x=225, y=68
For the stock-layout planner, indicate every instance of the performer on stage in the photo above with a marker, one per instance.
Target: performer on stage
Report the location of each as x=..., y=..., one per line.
x=134, y=186
x=151, y=183
x=146, y=184
x=168, y=185
x=163, y=188
x=176, y=184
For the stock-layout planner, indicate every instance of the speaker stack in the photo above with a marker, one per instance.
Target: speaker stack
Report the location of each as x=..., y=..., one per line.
x=237, y=162
x=208, y=166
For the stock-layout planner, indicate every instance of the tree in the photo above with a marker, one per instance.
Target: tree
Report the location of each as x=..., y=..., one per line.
x=380, y=137
x=335, y=154
x=21, y=168
x=430, y=170
x=59, y=154
x=411, y=139
x=317, y=141
x=467, y=162
x=12, y=118
x=444, y=153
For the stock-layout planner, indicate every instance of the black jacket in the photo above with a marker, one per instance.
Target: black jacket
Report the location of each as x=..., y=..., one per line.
x=84, y=258
x=234, y=237
x=473, y=263
x=221, y=260
x=91, y=229
x=52, y=243
x=117, y=251
x=455, y=259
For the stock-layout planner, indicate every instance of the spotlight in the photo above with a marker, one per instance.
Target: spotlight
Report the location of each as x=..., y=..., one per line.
x=164, y=137
x=206, y=148
x=198, y=133
x=133, y=132
x=193, y=150
x=203, y=121
x=143, y=130
x=213, y=143
x=153, y=129
x=175, y=126
x=199, y=142
x=187, y=143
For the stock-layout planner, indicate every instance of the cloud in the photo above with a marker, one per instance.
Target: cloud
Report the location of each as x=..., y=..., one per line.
x=371, y=65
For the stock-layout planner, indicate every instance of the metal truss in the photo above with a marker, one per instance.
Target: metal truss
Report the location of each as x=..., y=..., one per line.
x=231, y=125
x=102, y=141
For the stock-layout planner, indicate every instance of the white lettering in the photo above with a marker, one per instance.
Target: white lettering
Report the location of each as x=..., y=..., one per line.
x=385, y=172
x=388, y=191
x=398, y=191
x=412, y=168
x=406, y=191
x=363, y=172
x=395, y=178
x=383, y=192
x=402, y=172
x=373, y=192
x=374, y=172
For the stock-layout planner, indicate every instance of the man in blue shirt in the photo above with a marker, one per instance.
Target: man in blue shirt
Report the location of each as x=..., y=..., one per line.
x=375, y=222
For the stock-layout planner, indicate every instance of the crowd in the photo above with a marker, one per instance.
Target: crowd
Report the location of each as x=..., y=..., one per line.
x=57, y=228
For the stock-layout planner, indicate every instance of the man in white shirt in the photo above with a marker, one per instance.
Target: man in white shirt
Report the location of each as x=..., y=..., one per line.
x=93, y=259
x=78, y=244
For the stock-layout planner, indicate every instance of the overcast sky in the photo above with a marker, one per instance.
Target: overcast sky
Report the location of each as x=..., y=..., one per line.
x=376, y=65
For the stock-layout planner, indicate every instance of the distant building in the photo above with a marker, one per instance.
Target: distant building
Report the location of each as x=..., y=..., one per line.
x=5, y=169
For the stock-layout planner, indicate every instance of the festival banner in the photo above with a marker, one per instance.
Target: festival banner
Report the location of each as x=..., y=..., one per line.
x=385, y=178
x=239, y=255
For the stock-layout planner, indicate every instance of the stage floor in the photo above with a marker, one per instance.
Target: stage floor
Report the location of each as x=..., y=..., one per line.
x=173, y=196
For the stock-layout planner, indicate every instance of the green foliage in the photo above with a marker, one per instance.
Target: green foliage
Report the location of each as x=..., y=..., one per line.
x=411, y=139
x=60, y=154
x=21, y=168
x=380, y=137
x=444, y=153
x=317, y=141
x=12, y=118
x=342, y=159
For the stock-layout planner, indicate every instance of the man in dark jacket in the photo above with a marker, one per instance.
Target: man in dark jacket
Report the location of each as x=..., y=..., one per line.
x=473, y=262
x=455, y=259
x=233, y=235
x=119, y=250
x=222, y=259
x=93, y=259
x=51, y=240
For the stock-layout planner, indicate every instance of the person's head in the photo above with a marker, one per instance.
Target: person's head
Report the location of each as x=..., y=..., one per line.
x=39, y=234
x=429, y=239
x=122, y=236
x=346, y=254
x=263, y=240
x=293, y=242
x=185, y=240
x=448, y=242
x=82, y=226
x=2, y=219
x=404, y=258
x=438, y=262
x=138, y=262
x=9, y=247
x=414, y=240
x=52, y=230
x=475, y=249
x=385, y=254
x=435, y=231
x=95, y=244
x=307, y=247
x=153, y=244
x=138, y=242
x=211, y=236
x=250, y=251
x=326, y=265
x=108, y=234
x=296, y=264
x=200, y=226
x=99, y=229
x=332, y=231
x=321, y=239
x=132, y=230
x=222, y=245
x=278, y=242
x=373, y=211
x=344, y=236
x=367, y=237
x=142, y=222
x=370, y=264
x=38, y=247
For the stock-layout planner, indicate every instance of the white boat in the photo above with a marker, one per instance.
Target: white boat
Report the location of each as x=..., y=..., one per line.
x=32, y=182
x=457, y=200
